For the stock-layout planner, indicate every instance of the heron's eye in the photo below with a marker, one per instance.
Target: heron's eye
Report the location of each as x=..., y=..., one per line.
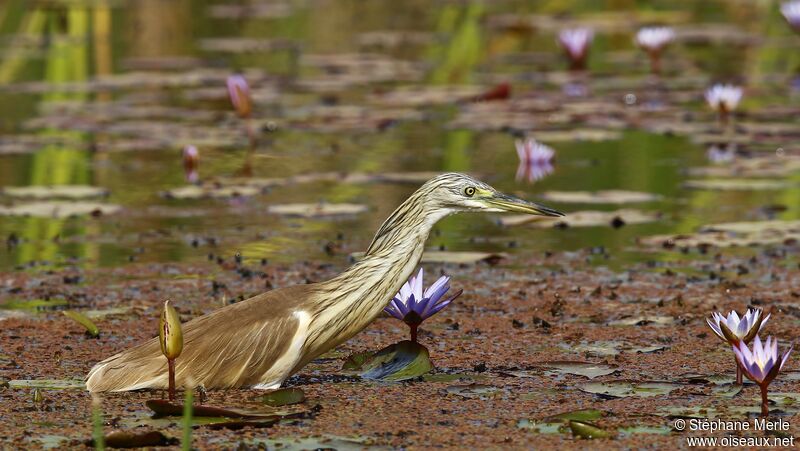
x=469, y=191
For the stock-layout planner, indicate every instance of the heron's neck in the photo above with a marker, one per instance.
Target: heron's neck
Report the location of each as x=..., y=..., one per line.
x=350, y=301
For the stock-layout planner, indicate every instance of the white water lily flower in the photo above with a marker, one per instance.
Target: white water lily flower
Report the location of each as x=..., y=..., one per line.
x=723, y=98
x=654, y=39
x=734, y=329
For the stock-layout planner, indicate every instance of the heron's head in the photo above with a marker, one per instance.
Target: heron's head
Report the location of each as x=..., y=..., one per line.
x=459, y=192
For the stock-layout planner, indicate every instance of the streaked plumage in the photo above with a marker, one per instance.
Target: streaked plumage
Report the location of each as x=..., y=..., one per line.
x=263, y=340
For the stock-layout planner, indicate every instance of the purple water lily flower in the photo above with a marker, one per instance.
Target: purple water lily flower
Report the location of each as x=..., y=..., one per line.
x=724, y=99
x=719, y=155
x=575, y=42
x=654, y=40
x=239, y=93
x=191, y=158
x=791, y=11
x=413, y=306
x=535, y=160
x=734, y=330
x=761, y=365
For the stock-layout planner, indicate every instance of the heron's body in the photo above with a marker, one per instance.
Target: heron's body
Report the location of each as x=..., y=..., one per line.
x=263, y=340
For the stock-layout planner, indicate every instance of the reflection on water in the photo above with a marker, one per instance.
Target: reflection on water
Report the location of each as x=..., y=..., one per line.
x=75, y=47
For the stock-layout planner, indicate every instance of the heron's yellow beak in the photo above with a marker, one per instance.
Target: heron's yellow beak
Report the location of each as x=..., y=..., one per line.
x=505, y=202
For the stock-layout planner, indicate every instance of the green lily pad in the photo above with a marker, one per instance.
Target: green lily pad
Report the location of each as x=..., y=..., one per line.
x=33, y=305
x=398, y=362
x=317, y=210
x=587, y=430
x=541, y=427
x=585, y=369
x=356, y=361
x=164, y=408
x=624, y=389
x=726, y=390
x=91, y=329
x=577, y=415
x=737, y=184
x=284, y=397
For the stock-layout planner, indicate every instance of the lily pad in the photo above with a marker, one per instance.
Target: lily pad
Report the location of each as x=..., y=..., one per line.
x=83, y=320
x=585, y=369
x=317, y=210
x=397, y=362
x=587, y=430
x=643, y=320
x=599, y=197
x=578, y=415
x=55, y=192
x=588, y=218
x=164, y=408
x=462, y=257
x=474, y=390
x=738, y=184
x=624, y=388
x=59, y=209
x=731, y=234
x=284, y=397
x=33, y=305
x=628, y=431
x=210, y=191
x=128, y=439
x=50, y=384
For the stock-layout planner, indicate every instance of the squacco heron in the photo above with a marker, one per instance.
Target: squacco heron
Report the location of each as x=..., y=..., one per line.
x=262, y=341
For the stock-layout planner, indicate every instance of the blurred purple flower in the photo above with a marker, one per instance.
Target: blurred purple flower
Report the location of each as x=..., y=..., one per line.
x=791, y=11
x=723, y=99
x=761, y=365
x=653, y=40
x=191, y=158
x=239, y=93
x=575, y=42
x=719, y=155
x=413, y=306
x=535, y=160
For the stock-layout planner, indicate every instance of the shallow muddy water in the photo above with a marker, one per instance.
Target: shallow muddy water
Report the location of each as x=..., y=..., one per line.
x=107, y=93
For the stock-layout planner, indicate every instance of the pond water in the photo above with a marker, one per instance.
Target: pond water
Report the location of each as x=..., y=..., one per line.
x=107, y=93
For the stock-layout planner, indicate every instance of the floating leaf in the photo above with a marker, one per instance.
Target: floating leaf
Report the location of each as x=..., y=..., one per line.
x=317, y=210
x=541, y=427
x=628, y=431
x=33, y=305
x=50, y=384
x=731, y=234
x=624, y=389
x=284, y=397
x=55, y=192
x=461, y=257
x=91, y=328
x=585, y=369
x=127, y=439
x=474, y=390
x=643, y=321
x=210, y=191
x=59, y=209
x=357, y=360
x=587, y=430
x=738, y=184
x=588, y=218
x=599, y=197
x=397, y=362
x=164, y=408
x=577, y=415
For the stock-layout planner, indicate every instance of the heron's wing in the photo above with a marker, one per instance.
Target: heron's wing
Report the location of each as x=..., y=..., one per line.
x=235, y=346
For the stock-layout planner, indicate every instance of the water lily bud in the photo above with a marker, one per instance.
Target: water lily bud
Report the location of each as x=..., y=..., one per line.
x=169, y=332
x=239, y=93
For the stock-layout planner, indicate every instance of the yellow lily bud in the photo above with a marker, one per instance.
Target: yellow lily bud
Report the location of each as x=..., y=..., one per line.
x=169, y=332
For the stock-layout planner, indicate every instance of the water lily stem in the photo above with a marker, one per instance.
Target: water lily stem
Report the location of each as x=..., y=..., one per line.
x=171, y=365
x=738, y=371
x=414, y=332
x=764, y=401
